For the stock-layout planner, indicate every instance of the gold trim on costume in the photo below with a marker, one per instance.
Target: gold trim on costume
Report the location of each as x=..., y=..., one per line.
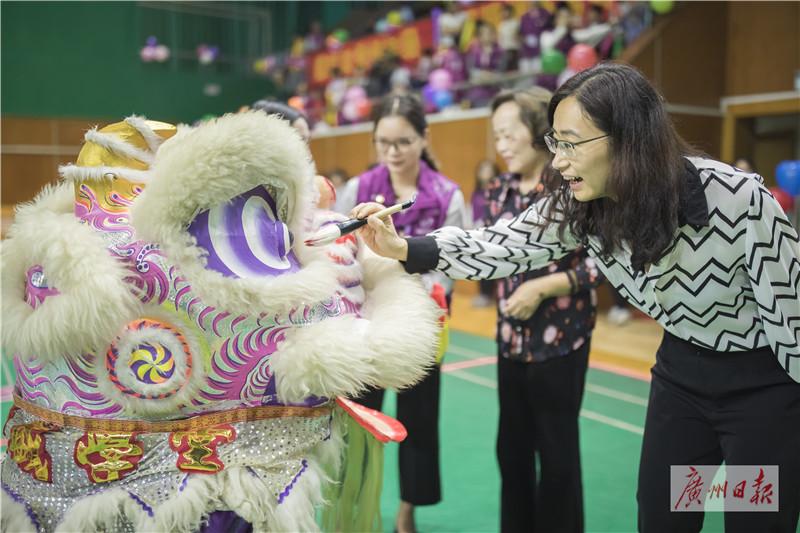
x=246, y=414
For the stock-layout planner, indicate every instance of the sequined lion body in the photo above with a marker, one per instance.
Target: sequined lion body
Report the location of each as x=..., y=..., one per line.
x=177, y=348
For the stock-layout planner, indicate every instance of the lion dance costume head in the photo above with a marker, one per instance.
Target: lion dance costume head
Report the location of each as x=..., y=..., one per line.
x=178, y=351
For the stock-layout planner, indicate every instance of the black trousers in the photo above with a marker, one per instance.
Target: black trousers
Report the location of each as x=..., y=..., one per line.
x=418, y=411
x=707, y=407
x=539, y=408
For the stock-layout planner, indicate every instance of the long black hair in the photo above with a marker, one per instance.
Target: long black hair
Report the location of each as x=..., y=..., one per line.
x=647, y=165
x=410, y=108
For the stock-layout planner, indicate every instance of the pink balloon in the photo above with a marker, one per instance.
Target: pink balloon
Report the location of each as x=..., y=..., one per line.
x=350, y=110
x=355, y=94
x=581, y=57
x=148, y=53
x=440, y=80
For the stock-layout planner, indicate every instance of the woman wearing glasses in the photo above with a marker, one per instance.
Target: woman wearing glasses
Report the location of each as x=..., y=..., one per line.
x=406, y=169
x=698, y=245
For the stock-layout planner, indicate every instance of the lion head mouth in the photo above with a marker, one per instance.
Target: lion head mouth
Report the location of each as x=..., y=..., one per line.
x=246, y=237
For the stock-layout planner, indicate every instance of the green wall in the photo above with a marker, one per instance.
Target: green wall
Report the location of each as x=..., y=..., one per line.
x=81, y=59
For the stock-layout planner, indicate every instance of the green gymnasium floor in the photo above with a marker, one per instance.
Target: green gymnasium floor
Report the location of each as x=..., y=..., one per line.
x=612, y=422
x=611, y=432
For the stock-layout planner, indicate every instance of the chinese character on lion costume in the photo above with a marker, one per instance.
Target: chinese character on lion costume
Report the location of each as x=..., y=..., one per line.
x=179, y=352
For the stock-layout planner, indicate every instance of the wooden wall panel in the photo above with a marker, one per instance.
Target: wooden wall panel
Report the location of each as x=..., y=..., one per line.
x=459, y=146
x=352, y=153
x=37, y=131
x=763, y=51
x=33, y=148
x=25, y=175
x=692, y=47
x=702, y=132
x=70, y=132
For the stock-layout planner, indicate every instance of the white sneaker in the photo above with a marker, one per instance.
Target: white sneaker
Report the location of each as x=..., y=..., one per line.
x=619, y=315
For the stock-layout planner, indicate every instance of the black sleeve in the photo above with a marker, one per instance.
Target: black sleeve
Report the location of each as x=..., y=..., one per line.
x=423, y=255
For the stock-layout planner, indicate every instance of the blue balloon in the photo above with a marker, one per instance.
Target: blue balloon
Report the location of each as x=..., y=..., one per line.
x=787, y=174
x=382, y=26
x=442, y=99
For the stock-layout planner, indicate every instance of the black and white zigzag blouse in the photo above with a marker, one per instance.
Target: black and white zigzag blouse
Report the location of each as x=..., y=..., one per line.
x=729, y=282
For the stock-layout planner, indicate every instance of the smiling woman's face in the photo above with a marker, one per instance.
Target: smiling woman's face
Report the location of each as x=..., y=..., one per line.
x=588, y=170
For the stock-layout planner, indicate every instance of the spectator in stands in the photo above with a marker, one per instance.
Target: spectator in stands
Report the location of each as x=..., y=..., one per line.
x=508, y=38
x=315, y=40
x=423, y=70
x=531, y=25
x=449, y=58
x=359, y=77
x=380, y=74
x=635, y=17
x=560, y=36
x=315, y=107
x=400, y=80
x=595, y=31
x=335, y=89
x=451, y=22
x=484, y=60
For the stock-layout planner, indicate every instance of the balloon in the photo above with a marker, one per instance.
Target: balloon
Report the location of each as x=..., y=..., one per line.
x=262, y=65
x=341, y=35
x=553, y=62
x=350, y=111
x=661, y=6
x=442, y=99
x=381, y=26
x=332, y=42
x=784, y=199
x=581, y=57
x=207, y=54
x=394, y=18
x=407, y=14
x=427, y=94
x=787, y=173
x=147, y=53
x=355, y=93
x=296, y=102
x=161, y=53
x=440, y=79
x=363, y=108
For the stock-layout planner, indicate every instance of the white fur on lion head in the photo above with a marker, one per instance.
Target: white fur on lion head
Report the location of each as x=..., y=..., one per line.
x=202, y=167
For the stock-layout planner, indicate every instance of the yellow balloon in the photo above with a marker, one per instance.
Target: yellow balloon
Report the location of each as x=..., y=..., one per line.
x=395, y=18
